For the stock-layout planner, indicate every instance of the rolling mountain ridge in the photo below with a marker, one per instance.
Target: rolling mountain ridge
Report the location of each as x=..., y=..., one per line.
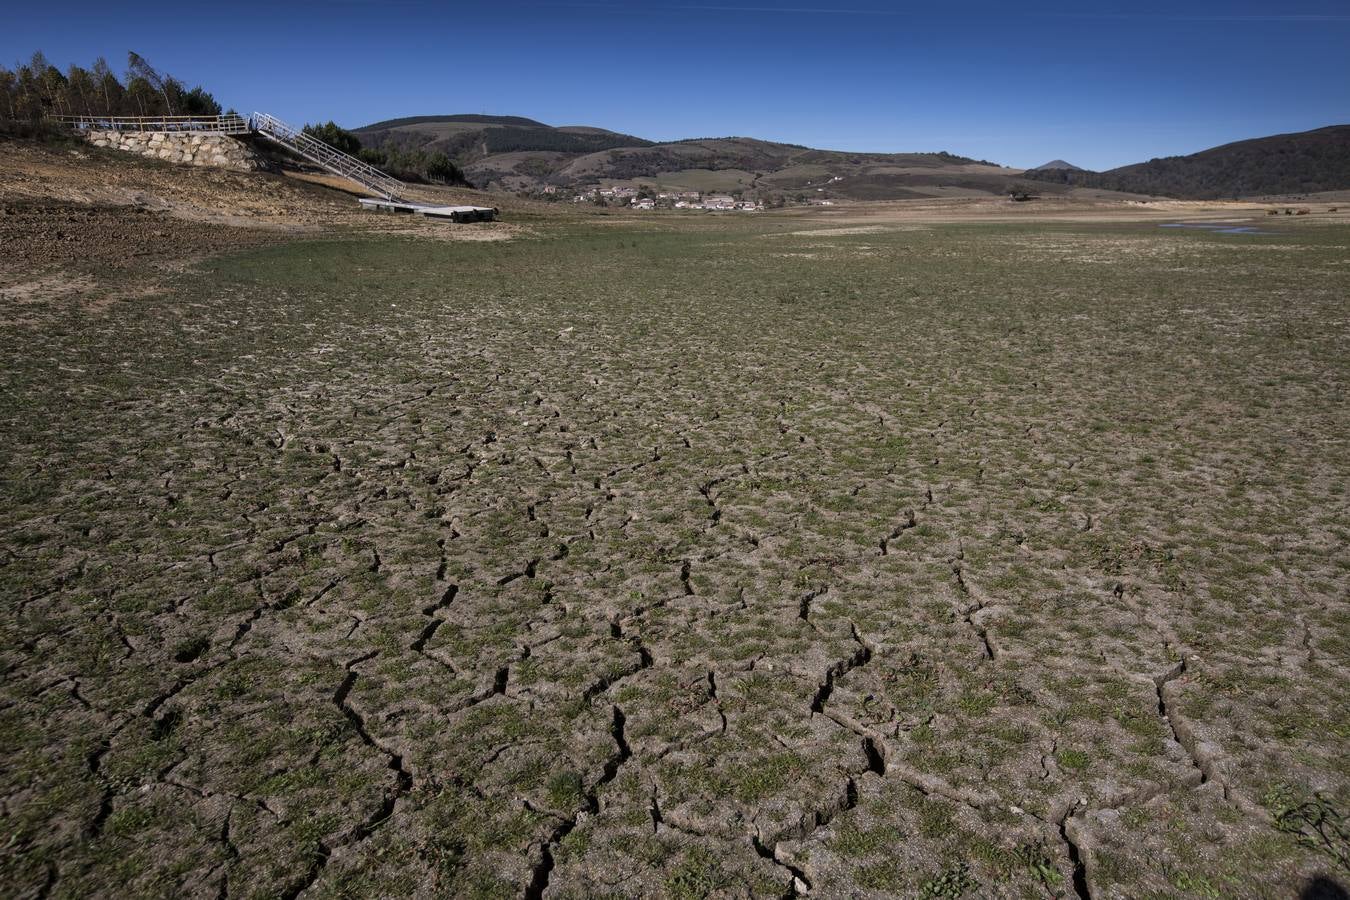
x=521, y=155
x=525, y=156
x=1304, y=162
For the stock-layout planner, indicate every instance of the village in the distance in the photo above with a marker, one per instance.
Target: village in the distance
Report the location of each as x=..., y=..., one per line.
x=647, y=198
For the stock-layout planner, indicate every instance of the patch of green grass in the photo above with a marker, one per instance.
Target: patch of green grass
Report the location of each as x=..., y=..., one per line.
x=696, y=876
x=565, y=791
x=951, y=884
x=1073, y=760
x=852, y=840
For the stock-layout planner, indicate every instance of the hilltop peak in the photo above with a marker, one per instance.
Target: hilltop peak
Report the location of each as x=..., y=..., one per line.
x=1060, y=164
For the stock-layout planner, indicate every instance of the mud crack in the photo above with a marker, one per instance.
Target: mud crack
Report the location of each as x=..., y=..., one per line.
x=860, y=657
x=1181, y=734
x=543, y=870
x=906, y=523
x=402, y=781
x=1067, y=825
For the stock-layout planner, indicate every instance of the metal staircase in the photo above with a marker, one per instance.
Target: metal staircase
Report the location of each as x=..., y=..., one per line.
x=332, y=159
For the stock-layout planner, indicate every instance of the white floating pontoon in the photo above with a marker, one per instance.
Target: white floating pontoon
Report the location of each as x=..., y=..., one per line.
x=453, y=213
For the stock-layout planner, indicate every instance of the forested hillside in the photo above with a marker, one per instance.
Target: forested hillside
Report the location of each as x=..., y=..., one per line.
x=1301, y=163
x=469, y=138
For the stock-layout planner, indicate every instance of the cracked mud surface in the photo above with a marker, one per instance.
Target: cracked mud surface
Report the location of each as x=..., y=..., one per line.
x=703, y=562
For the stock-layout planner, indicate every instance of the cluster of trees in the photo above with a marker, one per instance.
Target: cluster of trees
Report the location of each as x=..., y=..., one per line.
x=649, y=162
x=411, y=164
x=512, y=140
x=37, y=89
x=538, y=167
x=405, y=163
x=335, y=136
x=957, y=159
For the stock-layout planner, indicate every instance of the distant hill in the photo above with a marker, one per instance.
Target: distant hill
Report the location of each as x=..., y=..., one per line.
x=517, y=154
x=1301, y=163
x=463, y=117
x=468, y=139
x=1059, y=164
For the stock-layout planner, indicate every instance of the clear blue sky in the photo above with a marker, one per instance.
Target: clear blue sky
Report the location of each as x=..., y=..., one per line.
x=1099, y=85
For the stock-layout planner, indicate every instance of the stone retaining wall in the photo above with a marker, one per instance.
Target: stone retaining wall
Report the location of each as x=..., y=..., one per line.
x=194, y=149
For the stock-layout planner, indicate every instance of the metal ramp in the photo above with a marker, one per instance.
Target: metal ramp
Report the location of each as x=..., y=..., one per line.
x=330, y=158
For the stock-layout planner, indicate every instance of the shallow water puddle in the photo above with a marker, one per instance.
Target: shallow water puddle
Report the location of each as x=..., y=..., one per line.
x=1217, y=227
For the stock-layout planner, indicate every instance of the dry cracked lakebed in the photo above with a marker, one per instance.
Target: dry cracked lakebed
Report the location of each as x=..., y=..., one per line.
x=708, y=561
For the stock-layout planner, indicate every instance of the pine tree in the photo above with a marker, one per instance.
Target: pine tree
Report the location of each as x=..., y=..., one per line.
x=139, y=68
x=110, y=89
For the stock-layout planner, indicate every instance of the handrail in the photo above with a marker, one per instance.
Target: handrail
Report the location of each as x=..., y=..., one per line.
x=231, y=124
x=327, y=156
x=183, y=118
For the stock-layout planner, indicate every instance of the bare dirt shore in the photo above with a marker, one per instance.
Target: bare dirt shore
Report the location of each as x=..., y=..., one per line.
x=1072, y=210
x=37, y=178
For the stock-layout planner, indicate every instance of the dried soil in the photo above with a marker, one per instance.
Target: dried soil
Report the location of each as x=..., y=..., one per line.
x=680, y=558
x=37, y=235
